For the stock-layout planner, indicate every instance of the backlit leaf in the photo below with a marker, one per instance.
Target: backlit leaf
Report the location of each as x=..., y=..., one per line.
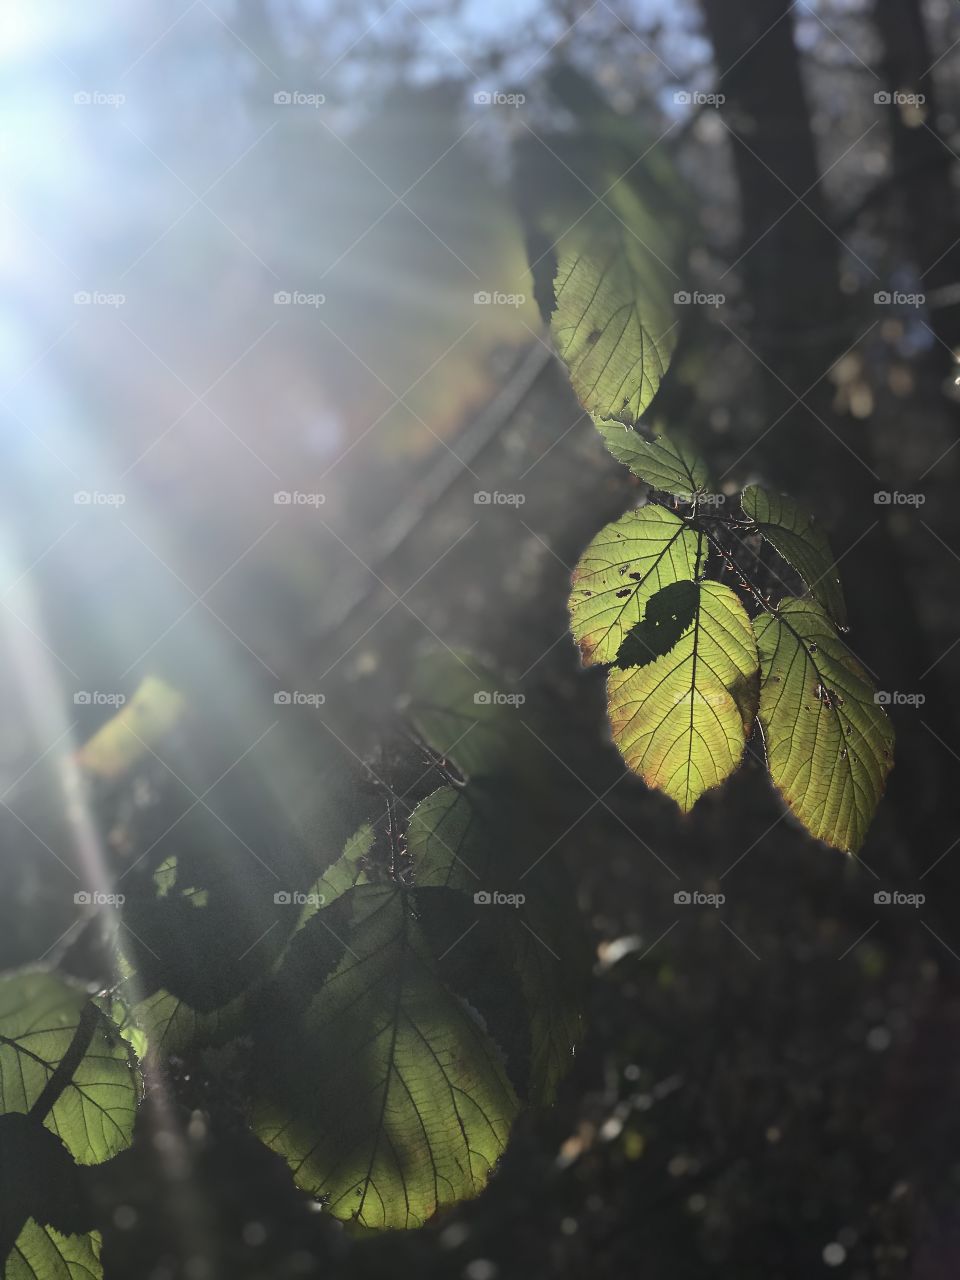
x=681, y=722
x=453, y=845
x=665, y=462
x=627, y=562
x=424, y=1111
x=41, y=1253
x=792, y=530
x=62, y=1057
x=829, y=744
x=450, y=1005
x=613, y=321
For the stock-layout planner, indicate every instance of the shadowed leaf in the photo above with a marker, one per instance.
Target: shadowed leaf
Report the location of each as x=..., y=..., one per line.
x=627, y=562
x=64, y=1060
x=667, y=616
x=792, y=531
x=41, y=1253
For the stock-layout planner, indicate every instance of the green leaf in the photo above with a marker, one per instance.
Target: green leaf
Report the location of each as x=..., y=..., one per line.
x=613, y=321
x=347, y=871
x=466, y=713
x=829, y=745
x=395, y=1100
x=64, y=1060
x=681, y=722
x=164, y=1024
x=791, y=529
x=448, y=1008
x=627, y=562
x=452, y=845
x=665, y=462
x=445, y=840
x=41, y=1253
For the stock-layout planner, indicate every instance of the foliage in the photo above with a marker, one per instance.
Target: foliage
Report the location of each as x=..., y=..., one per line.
x=699, y=647
x=663, y=598
x=69, y=1090
x=400, y=1006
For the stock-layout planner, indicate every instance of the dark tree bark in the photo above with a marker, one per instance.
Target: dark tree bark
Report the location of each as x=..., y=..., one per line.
x=923, y=192
x=789, y=259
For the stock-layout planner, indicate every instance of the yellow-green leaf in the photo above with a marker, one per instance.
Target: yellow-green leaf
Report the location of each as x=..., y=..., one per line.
x=665, y=462
x=394, y=1101
x=829, y=744
x=681, y=722
x=627, y=563
x=61, y=1054
x=41, y=1253
x=613, y=326
x=791, y=529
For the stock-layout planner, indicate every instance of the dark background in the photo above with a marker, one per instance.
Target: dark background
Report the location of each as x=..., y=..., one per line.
x=766, y=1090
